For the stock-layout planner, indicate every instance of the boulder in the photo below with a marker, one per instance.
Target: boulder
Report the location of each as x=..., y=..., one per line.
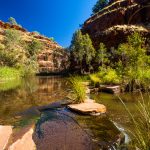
x=5, y=133
x=110, y=89
x=25, y=143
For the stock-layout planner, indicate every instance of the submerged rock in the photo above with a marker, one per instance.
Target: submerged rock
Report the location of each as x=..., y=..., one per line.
x=59, y=131
x=110, y=89
x=63, y=130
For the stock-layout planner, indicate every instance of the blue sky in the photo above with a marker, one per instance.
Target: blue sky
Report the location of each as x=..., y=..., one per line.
x=53, y=18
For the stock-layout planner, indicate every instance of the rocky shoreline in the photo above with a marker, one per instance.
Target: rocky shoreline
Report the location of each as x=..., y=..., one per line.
x=58, y=128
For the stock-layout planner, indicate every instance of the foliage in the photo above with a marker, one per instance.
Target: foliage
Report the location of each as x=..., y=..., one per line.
x=13, y=21
x=2, y=46
x=141, y=125
x=82, y=50
x=95, y=79
x=78, y=89
x=89, y=51
x=36, y=32
x=9, y=58
x=12, y=53
x=34, y=47
x=100, y=4
x=111, y=77
x=29, y=69
x=52, y=39
x=101, y=55
x=13, y=38
x=7, y=73
x=105, y=76
x=132, y=60
x=17, y=53
x=76, y=46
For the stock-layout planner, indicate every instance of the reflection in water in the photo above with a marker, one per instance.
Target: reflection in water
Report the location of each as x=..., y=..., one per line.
x=35, y=91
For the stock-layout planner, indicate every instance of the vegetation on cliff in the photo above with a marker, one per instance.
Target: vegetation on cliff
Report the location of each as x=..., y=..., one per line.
x=100, y=4
x=16, y=53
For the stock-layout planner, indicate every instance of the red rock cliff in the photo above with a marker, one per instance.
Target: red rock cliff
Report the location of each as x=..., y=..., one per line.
x=118, y=20
x=52, y=59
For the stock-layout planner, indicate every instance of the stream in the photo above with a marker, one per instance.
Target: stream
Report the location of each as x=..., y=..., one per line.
x=18, y=108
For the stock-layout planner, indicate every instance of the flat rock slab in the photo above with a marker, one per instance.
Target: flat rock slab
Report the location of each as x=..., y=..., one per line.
x=110, y=89
x=88, y=108
x=5, y=133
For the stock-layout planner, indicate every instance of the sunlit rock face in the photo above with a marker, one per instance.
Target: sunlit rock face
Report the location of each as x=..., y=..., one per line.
x=52, y=58
x=119, y=19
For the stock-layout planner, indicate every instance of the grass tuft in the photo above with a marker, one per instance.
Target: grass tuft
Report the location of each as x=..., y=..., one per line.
x=141, y=125
x=78, y=89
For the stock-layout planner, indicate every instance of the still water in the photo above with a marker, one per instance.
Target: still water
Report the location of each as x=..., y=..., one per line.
x=18, y=102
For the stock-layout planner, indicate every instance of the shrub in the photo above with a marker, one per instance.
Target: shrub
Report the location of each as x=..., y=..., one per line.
x=13, y=21
x=12, y=38
x=34, y=47
x=78, y=90
x=95, y=79
x=7, y=73
x=111, y=77
x=28, y=69
x=100, y=4
x=8, y=58
x=133, y=60
x=52, y=39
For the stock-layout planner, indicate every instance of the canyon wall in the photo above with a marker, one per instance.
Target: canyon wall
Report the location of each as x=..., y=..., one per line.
x=116, y=21
x=52, y=59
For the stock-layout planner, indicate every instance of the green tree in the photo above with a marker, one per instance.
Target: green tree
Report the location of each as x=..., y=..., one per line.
x=133, y=58
x=101, y=55
x=12, y=21
x=100, y=4
x=89, y=51
x=76, y=47
x=82, y=50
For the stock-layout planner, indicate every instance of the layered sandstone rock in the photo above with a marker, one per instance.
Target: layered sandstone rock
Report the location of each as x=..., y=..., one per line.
x=118, y=20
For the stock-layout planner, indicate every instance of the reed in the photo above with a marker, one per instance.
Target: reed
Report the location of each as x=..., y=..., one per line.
x=140, y=133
